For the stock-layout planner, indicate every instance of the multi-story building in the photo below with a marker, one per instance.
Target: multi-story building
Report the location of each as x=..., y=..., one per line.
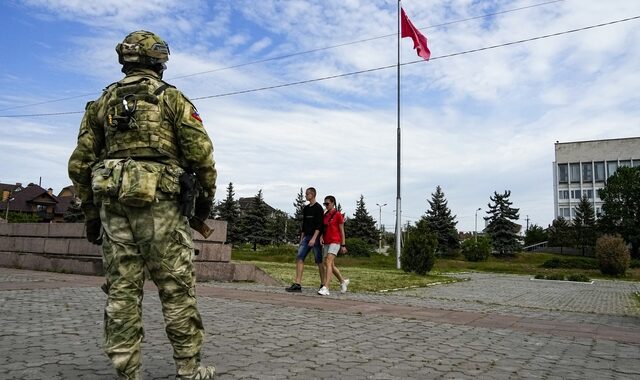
x=581, y=168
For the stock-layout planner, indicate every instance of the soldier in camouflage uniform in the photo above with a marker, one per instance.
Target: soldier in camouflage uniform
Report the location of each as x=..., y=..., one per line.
x=135, y=143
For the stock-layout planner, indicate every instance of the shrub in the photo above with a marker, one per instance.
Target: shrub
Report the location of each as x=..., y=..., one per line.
x=579, y=277
x=635, y=263
x=612, y=255
x=574, y=263
x=555, y=276
x=552, y=263
x=418, y=253
x=358, y=247
x=474, y=250
x=539, y=276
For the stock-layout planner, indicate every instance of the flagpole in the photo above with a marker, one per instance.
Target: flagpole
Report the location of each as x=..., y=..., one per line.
x=398, y=208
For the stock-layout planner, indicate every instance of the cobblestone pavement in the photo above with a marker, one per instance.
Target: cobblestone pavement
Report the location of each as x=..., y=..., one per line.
x=490, y=327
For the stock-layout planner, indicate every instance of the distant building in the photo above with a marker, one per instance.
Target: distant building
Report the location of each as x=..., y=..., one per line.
x=581, y=168
x=35, y=200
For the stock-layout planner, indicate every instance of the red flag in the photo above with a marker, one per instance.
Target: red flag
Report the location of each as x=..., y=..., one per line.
x=419, y=41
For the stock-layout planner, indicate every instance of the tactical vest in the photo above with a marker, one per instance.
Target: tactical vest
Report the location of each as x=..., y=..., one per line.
x=135, y=125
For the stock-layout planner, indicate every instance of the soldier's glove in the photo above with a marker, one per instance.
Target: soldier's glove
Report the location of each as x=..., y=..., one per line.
x=203, y=208
x=202, y=211
x=93, y=231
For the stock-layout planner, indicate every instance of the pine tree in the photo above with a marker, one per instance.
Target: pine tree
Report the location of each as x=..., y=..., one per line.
x=298, y=205
x=255, y=221
x=621, y=206
x=584, y=225
x=501, y=228
x=277, y=227
x=229, y=211
x=560, y=234
x=74, y=213
x=362, y=225
x=535, y=234
x=439, y=221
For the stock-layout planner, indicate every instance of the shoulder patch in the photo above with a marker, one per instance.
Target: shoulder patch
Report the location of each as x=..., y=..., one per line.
x=195, y=114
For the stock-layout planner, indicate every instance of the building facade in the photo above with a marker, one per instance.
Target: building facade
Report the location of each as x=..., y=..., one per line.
x=581, y=169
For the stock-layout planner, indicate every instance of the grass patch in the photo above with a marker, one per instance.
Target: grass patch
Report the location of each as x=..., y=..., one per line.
x=367, y=274
x=527, y=264
x=362, y=279
x=379, y=272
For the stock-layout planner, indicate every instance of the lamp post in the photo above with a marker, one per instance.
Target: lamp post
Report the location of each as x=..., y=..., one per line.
x=6, y=214
x=475, y=231
x=380, y=206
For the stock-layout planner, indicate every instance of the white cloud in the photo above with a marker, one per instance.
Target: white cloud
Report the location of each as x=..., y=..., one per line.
x=474, y=123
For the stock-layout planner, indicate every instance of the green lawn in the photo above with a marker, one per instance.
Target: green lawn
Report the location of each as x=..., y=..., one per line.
x=378, y=272
x=371, y=274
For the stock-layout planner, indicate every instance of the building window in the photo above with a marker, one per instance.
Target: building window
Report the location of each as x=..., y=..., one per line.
x=564, y=212
x=575, y=194
x=597, y=194
x=599, y=171
x=575, y=172
x=588, y=193
x=587, y=172
x=573, y=213
x=625, y=163
x=636, y=163
x=563, y=194
x=563, y=173
x=612, y=166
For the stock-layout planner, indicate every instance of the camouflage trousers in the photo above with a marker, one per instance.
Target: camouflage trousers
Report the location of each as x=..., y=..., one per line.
x=158, y=238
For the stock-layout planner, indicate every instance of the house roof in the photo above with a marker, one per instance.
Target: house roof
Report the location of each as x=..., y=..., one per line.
x=32, y=194
x=10, y=187
x=70, y=189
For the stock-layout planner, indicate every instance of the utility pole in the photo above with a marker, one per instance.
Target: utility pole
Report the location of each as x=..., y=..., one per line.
x=475, y=231
x=380, y=206
x=527, y=223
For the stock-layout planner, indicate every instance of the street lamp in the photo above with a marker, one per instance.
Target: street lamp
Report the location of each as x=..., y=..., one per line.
x=6, y=214
x=380, y=206
x=475, y=231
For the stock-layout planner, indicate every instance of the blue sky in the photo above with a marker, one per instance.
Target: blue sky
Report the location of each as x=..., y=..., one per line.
x=473, y=124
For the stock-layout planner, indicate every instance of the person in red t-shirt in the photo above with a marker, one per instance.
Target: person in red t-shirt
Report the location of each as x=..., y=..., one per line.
x=333, y=241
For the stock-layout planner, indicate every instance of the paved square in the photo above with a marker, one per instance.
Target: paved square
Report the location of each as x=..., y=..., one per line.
x=490, y=327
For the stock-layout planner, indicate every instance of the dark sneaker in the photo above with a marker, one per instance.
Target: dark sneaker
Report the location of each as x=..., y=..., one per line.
x=294, y=288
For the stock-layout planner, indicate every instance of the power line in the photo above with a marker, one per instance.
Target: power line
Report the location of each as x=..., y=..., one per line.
x=299, y=53
x=363, y=40
x=377, y=68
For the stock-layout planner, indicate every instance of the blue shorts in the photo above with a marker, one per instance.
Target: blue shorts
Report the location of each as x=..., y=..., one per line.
x=304, y=249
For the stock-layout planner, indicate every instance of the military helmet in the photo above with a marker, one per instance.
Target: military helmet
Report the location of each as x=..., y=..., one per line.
x=143, y=47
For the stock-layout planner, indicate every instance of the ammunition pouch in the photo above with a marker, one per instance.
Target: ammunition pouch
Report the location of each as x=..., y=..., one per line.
x=105, y=179
x=135, y=183
x=139, y=182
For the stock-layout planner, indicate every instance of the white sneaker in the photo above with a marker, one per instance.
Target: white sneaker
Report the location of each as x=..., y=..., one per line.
x=343, y=285
x=323, y=291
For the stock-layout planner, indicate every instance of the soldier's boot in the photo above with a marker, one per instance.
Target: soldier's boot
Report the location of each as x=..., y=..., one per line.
x=201, y=373
x=135, y=375
x=190, y=369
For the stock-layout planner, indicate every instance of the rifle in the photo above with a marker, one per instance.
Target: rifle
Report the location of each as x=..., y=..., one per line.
x=189, y=190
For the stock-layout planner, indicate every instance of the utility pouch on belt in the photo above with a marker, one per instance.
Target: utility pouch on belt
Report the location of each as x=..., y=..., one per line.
x=106, y=177
x=139, y=182
x=169, y=181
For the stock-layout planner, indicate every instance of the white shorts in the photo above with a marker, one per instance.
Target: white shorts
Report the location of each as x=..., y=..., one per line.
x=330, y=248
